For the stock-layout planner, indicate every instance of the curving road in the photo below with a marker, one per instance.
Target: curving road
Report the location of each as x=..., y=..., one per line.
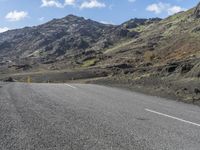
x=84, y=117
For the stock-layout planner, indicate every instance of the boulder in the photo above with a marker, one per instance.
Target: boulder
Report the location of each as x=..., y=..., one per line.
x=10, y=79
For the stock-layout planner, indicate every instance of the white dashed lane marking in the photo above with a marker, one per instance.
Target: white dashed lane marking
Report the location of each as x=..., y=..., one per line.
x=71, y=86
x=172, y=117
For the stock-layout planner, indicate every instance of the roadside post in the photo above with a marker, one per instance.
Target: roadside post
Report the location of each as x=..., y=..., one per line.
x=29, y=79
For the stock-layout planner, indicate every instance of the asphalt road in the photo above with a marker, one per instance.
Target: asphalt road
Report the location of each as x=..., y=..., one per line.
x=84, y=117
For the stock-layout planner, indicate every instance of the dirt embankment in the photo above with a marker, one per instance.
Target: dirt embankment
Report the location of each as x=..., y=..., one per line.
x=57, y=76
x=177, y=80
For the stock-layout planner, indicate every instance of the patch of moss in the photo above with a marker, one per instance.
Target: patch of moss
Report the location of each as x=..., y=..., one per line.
x=89, y=63
x=140, y=28
x=171, y=30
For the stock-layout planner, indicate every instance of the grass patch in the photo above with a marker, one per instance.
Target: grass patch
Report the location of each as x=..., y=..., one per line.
x=140, y=28
x=117, y=47
x=90, y=62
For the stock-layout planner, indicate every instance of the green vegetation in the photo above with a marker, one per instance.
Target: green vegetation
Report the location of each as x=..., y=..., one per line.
x=140, y=28
x=89, y=63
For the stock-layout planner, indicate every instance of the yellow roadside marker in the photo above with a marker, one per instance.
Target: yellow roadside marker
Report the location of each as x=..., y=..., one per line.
x=29, y=79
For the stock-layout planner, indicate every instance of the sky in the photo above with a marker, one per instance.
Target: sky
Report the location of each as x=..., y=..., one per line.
x=21, y=13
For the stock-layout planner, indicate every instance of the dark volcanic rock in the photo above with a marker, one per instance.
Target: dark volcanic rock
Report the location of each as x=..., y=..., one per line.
x=66, y=39
x=197, y=11
x=134, y=23
x=10, y=79
x=196, y=91
x=57, y=37
x=70, y=35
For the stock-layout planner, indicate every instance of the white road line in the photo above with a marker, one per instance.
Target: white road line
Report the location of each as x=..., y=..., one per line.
x=179, y=119
x=71, y=86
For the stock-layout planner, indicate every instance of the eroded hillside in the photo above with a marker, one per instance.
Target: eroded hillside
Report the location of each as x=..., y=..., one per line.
x=159, y=57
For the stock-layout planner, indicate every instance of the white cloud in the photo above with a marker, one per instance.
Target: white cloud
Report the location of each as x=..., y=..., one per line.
x=51, y=3
x=157, y=8
x=70, y=2
x=4, y=29
x=79, y=3
x=160, y=7
x=92, y=4
x=175, y=9
x=106, y=22
x=131, y=1
x=16, y=15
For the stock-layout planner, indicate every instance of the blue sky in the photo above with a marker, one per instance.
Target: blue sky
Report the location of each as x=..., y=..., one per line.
x=21, y=13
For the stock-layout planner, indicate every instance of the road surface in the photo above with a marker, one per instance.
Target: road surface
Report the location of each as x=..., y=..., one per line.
x=84, y=117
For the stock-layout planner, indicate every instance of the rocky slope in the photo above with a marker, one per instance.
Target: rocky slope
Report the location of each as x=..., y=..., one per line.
x=157, y=56
x=164, y=59
x=71, y=39
x=197, y=11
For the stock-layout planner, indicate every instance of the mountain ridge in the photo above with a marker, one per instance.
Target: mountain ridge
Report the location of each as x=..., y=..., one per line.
x=65, y=36
x=155, y=56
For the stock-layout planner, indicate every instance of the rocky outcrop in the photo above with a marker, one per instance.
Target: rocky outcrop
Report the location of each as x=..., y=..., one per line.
x=197, y=11
x=134, y=23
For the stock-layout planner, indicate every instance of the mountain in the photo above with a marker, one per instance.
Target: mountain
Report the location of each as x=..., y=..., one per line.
x=164, y=58
x=59, y=37
x=155, y=56
x=70, y=38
